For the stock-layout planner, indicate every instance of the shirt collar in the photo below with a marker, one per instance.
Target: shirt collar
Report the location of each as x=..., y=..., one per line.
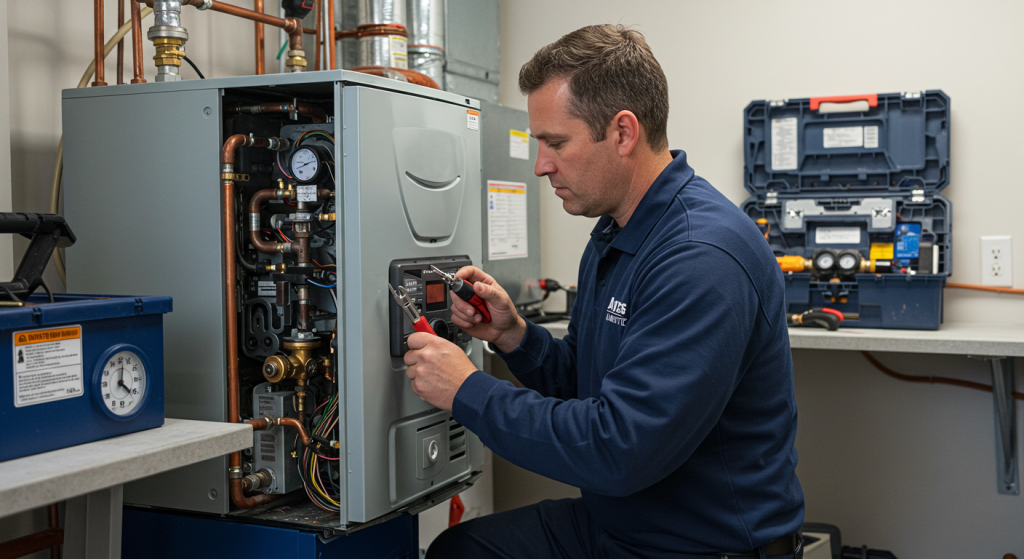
x=651, y=207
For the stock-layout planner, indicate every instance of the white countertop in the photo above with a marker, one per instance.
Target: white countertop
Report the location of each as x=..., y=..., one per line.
x=41, y=479
x=960, y=338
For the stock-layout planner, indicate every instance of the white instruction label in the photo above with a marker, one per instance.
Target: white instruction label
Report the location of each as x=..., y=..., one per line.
x=784, y=144
x=845, y=137
x=518, y=145
x=837, y=235
x=399, y=52
x=47, y=365
x=473, y=119
x=266, y=289
x=306, y=192
x=871, y=136
x=506, y=220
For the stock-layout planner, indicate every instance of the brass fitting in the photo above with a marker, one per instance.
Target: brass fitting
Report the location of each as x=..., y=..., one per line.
x=327, y=217
x=279, y=267
x=296, y=61
x=300, y=365
x=168, y=51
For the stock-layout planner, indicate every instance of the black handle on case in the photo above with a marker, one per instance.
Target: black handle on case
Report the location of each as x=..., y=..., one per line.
x=48, y=232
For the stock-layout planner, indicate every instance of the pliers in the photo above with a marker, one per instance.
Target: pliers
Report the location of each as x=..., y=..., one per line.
x=464, y=290
x=830, y=319
x=419, y=323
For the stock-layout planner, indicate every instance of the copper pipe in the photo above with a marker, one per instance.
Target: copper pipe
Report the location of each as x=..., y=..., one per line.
x=260, y=55
x=264, y=423
x=350, y=34
x=330, y=34
x=137, y=44
x=319, y=31
x=120, y=44
x=54, y=523
x=254, y=236
x=411, y=75
x=98, y=40
x=227, y=159
x=314, y=112
x=986, y=288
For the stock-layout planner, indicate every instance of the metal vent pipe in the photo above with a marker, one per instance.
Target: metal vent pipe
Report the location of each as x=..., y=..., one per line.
x=426, y=38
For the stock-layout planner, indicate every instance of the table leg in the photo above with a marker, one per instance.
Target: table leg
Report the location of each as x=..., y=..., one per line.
x=92, y=525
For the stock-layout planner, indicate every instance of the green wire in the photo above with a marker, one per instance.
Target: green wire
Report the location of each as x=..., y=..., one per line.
x=280, y=52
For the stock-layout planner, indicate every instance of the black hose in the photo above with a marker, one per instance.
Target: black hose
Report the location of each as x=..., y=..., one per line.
x=194, y=67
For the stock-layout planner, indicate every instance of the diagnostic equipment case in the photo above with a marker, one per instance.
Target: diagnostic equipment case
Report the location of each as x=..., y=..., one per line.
x=851, y=186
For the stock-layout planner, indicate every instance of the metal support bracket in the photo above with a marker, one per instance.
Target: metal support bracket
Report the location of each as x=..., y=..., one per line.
x=1003, y=386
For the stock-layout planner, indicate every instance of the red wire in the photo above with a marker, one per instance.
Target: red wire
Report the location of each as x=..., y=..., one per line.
x=931, y=379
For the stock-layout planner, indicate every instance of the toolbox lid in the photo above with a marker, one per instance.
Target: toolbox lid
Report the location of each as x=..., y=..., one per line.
x=892, y=143
x=39, y=311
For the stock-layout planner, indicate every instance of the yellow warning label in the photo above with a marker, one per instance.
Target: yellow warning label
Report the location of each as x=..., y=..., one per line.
x=54, y=335
x=881, y=251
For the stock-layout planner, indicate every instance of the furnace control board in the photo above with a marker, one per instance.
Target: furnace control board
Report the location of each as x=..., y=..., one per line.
x=431, y=297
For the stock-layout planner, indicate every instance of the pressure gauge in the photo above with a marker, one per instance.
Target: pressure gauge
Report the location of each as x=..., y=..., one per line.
x=120, y=383
x=824, y=260
x=308, y=162
x=849, y=261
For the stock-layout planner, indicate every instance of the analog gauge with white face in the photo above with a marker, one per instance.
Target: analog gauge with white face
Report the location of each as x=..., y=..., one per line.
x=308, y=162
x=848, y=261
x=824, y=261
x=122, y=382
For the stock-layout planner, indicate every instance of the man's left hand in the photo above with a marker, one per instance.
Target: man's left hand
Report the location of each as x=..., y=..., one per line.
x=437, y=368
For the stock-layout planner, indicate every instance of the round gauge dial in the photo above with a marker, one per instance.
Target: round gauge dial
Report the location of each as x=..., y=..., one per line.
x=122, y=381
x=824, y=261
x=306, y=164
x=848, y=261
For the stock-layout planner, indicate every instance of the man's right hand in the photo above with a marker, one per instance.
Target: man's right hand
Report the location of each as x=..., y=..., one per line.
x=506, y=328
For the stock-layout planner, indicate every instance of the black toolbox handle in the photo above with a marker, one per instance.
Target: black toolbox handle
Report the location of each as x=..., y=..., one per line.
x=48, y=232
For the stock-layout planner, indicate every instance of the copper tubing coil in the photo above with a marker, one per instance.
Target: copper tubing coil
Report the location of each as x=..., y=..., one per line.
x=425, y=47
x=120, y=44
x=137, y=44
x=260, y=54
x=98, y=42
x=227, y=159
x=413, y=76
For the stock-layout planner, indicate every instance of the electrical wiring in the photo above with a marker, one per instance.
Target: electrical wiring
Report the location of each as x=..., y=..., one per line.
x=283, y=236
x=277, y=158
x=333, y=285
x=931, y=379
x=313, y=462
x=327, y=266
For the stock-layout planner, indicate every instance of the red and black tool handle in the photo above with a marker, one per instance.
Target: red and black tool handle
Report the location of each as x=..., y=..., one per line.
x=464, y=290
x=829, y=319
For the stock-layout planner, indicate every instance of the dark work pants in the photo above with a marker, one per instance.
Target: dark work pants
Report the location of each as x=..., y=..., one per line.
x=560, y=529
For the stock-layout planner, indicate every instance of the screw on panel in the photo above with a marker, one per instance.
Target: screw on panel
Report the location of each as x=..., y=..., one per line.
x=213, y=494
x=207, y=112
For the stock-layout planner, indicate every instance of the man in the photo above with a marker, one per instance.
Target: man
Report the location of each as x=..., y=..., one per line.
x=670, y=402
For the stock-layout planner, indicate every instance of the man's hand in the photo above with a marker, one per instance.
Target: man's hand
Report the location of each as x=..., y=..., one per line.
x=437, y=369
x=506, y=328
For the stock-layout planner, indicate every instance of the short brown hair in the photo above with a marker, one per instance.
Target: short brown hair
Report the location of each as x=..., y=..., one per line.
x=610, y=69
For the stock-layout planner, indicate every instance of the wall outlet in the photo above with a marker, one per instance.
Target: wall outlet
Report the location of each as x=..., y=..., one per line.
x=997, y=261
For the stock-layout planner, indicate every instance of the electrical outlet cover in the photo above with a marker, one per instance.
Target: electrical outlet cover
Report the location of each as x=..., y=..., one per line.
x=997, y=261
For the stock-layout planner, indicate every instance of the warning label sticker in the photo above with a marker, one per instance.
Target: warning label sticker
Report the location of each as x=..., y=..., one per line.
x=47, y=365
x=473, y=119
x=784, y=144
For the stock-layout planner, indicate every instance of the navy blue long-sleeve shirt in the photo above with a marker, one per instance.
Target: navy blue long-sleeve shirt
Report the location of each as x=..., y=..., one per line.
x=670, y=403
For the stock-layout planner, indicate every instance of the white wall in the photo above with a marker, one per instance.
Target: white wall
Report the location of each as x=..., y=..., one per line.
x=900, y=467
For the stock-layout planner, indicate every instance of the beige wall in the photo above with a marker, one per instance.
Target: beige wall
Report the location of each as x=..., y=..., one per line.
x=903, y=467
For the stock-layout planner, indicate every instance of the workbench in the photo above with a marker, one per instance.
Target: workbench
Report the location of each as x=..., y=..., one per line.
x=997, y=344
x=91, y=477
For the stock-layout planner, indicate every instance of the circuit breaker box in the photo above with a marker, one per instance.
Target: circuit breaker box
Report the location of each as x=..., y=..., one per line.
x=369, y=172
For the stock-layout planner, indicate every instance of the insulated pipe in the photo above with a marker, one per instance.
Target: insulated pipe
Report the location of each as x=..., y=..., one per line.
x=139, y=77
x=260, y=55
x=227, y=159
x=98, y=42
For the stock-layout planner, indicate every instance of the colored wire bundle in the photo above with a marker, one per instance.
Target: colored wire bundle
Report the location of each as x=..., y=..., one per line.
x=315, y=466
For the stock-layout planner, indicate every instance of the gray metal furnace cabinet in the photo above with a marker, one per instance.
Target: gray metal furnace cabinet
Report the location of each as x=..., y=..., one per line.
x=142, y=193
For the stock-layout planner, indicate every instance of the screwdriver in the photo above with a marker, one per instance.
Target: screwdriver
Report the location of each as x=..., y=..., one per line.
x=465, y=292
x=419, y=323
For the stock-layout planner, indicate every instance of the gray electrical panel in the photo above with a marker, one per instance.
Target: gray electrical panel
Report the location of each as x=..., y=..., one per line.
x=142, y=178
x=503, y=130
x=272, y=449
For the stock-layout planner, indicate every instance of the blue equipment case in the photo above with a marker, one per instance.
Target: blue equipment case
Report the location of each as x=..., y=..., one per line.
x=863, y=173
x=53, y=394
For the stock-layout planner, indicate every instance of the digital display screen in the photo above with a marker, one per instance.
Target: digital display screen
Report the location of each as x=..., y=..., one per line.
x=437, y=297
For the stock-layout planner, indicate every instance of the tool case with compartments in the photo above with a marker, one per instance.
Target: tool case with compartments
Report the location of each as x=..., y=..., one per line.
x=846, y=191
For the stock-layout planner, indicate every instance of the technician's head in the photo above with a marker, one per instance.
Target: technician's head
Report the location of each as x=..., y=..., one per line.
x=598, y=102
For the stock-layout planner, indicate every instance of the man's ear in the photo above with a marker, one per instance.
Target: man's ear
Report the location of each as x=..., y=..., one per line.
x=625, y=132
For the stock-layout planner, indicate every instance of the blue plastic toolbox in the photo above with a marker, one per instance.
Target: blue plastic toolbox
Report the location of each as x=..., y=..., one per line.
x=83, y=368
x=848, y=190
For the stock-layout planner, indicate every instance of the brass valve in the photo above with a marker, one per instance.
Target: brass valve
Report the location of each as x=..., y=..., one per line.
x=299, y=365
x=168, y=51
x=296, y=61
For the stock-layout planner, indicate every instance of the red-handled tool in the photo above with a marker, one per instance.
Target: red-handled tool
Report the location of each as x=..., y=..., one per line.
x=464, y=290
x=419, y=323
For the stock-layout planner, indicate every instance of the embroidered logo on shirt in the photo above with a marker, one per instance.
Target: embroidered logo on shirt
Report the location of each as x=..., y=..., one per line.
x=616, y=312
